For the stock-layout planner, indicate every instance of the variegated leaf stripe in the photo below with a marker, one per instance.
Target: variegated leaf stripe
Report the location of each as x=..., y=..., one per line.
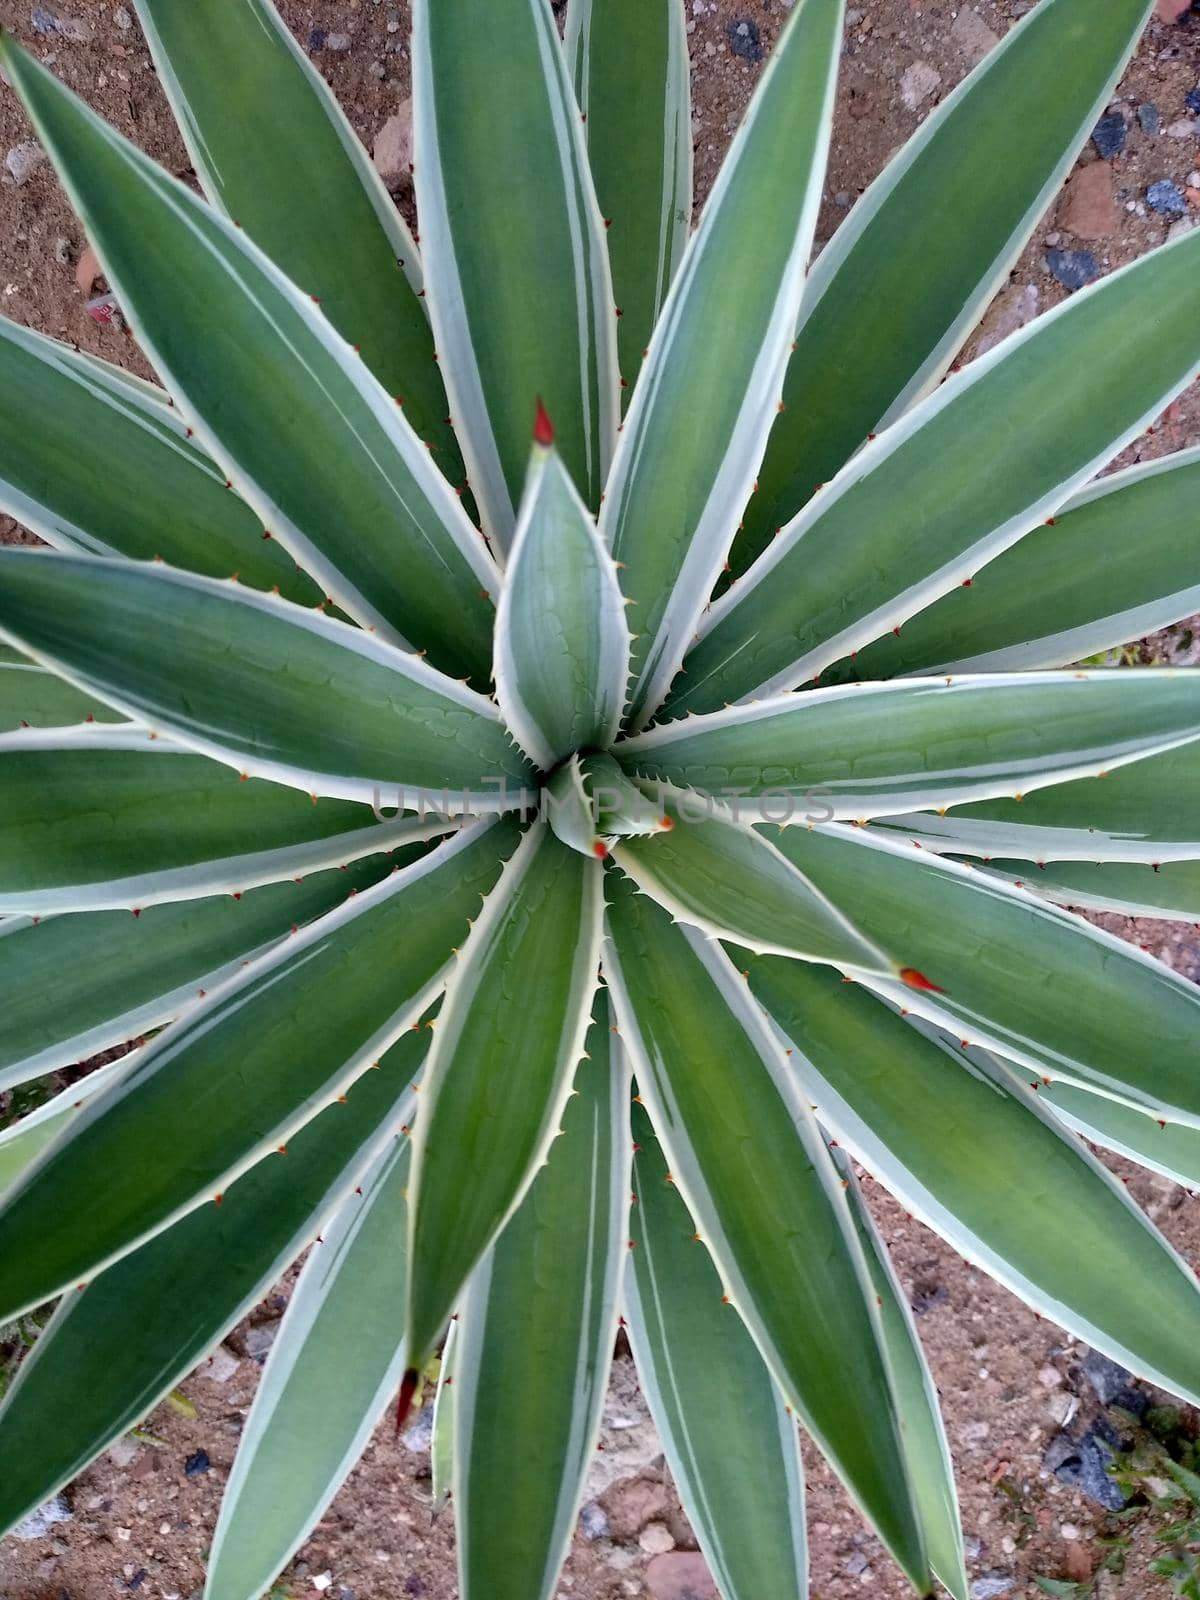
x=1164, y=1147
x=1065, y=591
x=33, y=696
x=732, y=1445
x=763, y=1101
x=866, y=750
x=681, y=475
x=629, y=63
x=483, y=244
x=222, y=874
x=359, y=675
x=918, y=1116
x=219, y=1035
x=939, y=494
x=21, y=1142
x=98, y=461
x=194, y=1285
x=534, y=1340
x=441, y=1445
x=914, y=265
x=562, y=643
x=1071, y=1008
x=523, y=984
x=1129, y=888
x=382, y=507
x=331, y=1372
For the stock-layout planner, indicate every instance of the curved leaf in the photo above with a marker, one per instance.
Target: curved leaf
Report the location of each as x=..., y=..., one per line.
x=242, y=1072
x=964, y=475
x=96, y=819
x=863, y=750
x=970, y=1152
x=748, y=1160
x=97, y=462
x=732, y=1446
x=308, y=437
x=504, y=1053
x=1011, y=972
x=31, y=696
x=1130, y=888
x=274, y=150
x=913, y=267
x=266, y=687
x=629, y=64
x=533, y=1344
x=731, y=883
x=1115, y=564
x=486, y=243
x=24, y=1140
x=98, y=1371
x=562, y=644
x=332, y=1369
x=76, y=985
x=1163, y=1146
x=704, y=402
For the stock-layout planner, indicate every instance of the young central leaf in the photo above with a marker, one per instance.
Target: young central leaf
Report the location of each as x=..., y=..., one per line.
x=562, y=644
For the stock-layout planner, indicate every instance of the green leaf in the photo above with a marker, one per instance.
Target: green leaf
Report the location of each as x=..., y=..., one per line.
x=748, y=1160
x=76, y=985
x=441, y=1447
x=33, y=697
x=115, y=1350
x=1144, y=812
x=704, y=402
x=590, y=802
x=308, y=437
x=912, y=269
x=1163, y=1146
x=24, y=1140
x=732, y=1446
x=863, y=750
x=520, y=294
x=99, y=819
x=504, y=1054
x=629, y=64
x=264, y=686
x=332, y=1369
x=274, y=150
x=1114, y=566
x=243, y=1071
x=533, y=1345
x=1010, y=972
x=562, y=643
x=964, y=475
x=967, y=1148
x=98, y=462
x=1130, y=888
x=731, y=883
x=917, y=1404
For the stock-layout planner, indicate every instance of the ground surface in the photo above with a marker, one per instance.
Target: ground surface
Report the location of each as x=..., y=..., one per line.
x=137, y=1522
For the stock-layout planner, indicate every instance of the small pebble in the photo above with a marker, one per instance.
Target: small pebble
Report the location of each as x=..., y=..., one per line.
x=1150, y=119
x=1109, y=134
x=316, y=39
x=1166, y=198
x=1073, y=268
x=1192, y=99
x=593, y=1523
x=197, y=1464
x=123, y=19
x=23, y=160
x=337, y=41
x=43, y=21
x=745, y=40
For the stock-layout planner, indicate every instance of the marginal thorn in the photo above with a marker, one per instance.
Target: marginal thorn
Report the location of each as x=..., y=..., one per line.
x=543, y=428
x=912, y=979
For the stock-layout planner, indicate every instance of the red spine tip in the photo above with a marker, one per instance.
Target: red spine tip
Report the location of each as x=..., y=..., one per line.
x=917, y=980
x=543, y=428
x=600, y=850
x=408, y=1390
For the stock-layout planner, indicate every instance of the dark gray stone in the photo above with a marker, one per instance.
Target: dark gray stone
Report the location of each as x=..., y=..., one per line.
x=1082, y=1464
x=1192, y=99
x=317, y=38
x=1073, y=268
x=1151, y=119
x=1105, y=1376
x=197, y=1464
x=43, y=21
x=992, y=1585
x=1109, y=135
x=745, y=39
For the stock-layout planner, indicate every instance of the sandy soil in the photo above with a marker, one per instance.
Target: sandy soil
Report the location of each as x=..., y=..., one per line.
x=139, y=1523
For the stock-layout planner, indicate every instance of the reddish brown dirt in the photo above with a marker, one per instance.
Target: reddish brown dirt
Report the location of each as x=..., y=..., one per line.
x=139, y=1524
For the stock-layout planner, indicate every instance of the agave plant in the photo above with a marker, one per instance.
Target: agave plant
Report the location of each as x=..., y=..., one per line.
x=440, y=766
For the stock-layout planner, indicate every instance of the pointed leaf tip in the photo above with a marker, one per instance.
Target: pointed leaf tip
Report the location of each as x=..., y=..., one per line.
x=543, y=428
x=917, y=980
x=408, y=1389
